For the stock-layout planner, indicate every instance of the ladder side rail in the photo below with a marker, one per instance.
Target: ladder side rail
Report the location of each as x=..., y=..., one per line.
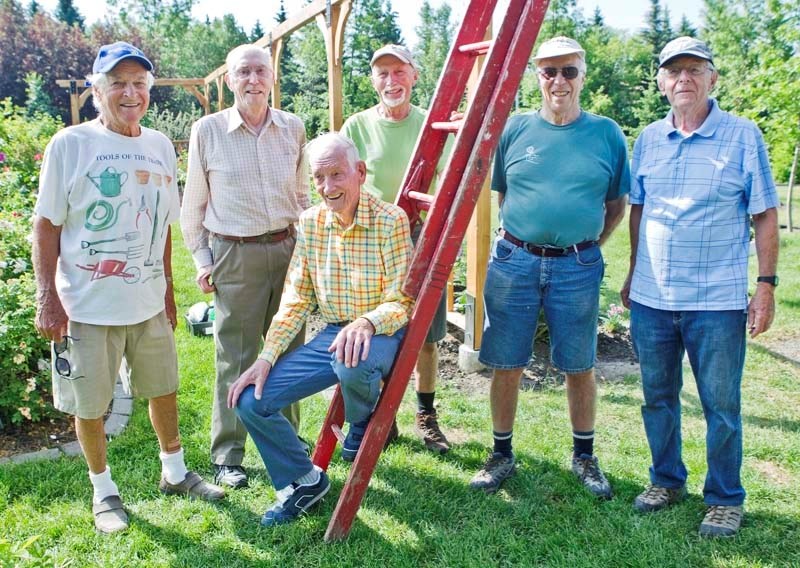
x=477, y=169
x=446, y=98
x=326, y=441
x=491, y=75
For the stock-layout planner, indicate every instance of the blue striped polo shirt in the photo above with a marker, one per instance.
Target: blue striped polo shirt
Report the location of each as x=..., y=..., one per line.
x=698, y=193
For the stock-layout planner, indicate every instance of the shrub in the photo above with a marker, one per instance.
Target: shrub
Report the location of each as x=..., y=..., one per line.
x=24, y=380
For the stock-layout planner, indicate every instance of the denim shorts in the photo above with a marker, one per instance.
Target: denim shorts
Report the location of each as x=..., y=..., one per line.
x=520, y=284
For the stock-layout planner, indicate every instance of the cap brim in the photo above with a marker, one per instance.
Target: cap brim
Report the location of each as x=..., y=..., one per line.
x=687, y=53
x=559, y=53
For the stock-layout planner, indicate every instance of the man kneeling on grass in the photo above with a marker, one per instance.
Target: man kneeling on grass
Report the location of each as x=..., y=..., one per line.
x=350, y=259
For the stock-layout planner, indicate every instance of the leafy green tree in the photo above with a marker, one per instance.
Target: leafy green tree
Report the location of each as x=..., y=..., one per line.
x=435, y=34
x=38, y=100
x=67, y=12
x=310, y=101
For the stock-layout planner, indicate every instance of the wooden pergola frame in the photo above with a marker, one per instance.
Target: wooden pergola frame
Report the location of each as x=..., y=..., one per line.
x=331, y=18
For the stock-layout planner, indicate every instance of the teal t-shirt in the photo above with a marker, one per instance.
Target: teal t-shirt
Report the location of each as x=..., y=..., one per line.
x=386, y=146
x=556, y=179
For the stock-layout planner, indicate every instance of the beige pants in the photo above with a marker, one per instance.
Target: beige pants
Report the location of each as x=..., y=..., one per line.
x=91, y=362
x=249, y=281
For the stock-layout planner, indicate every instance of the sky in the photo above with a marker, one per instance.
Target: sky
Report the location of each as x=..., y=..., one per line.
x=628, y=15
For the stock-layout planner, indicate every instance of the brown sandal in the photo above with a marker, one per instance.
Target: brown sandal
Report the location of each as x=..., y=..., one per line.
x=193, y=487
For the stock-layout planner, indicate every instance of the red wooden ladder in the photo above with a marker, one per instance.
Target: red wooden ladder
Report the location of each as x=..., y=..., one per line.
x=449, y=210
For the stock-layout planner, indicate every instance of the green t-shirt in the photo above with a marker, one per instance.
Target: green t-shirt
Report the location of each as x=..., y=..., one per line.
x=386, y=147
x=556, y=179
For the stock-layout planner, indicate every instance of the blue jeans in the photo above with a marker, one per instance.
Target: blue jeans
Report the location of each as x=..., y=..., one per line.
x=307, y=370
x=715, y=342
x=520, y=284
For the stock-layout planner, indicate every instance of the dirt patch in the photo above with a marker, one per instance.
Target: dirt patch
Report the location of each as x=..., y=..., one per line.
x=773, y=473
x=34, y=436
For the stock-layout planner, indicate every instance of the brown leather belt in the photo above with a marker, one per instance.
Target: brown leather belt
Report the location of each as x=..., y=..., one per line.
x=275, y=237
x=547, y=251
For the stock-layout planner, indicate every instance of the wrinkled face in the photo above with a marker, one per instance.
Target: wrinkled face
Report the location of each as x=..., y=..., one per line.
x=393, y=80
x=686, y=82
x=338, y=182
x=559, y=94
x=124, y=101
x=251, y=79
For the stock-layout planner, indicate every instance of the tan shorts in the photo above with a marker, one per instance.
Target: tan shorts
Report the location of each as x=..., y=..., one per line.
x=84, y=378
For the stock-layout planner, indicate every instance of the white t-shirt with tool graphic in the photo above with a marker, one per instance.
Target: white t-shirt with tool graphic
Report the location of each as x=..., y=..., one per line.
x=114, y=197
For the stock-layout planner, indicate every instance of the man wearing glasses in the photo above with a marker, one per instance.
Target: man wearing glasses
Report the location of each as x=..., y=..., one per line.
x=245, y=189
x=699, y=177
x=104, y=273
x=561, y=175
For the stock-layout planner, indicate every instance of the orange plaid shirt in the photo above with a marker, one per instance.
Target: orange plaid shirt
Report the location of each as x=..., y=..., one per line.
x=348, y=273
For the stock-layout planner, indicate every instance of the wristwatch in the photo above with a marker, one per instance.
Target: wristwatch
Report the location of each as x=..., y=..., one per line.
x=768, y=279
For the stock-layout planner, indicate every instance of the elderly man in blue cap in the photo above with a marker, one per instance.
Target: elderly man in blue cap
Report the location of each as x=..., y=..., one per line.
x=101, y=253
x=699, y=176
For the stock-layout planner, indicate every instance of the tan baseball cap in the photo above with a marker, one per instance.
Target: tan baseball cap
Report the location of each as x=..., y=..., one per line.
x=557, y=47
x=400, y=52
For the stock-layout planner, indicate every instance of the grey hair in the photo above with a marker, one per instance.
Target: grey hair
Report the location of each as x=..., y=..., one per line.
x=100, y=82
x=332, y=140
x=240, y=51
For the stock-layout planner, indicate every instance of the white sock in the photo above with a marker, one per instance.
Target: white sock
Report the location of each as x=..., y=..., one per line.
x=173, y=467
x=103, y=485
x=310, y=478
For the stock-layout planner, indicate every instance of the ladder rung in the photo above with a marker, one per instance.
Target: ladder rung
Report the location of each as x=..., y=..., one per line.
x=337, y=431
x=424, y=199
x=450, y=126
x=478, y=48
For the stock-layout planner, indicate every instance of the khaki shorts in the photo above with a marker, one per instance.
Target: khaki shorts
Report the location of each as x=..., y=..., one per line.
x=84, y=378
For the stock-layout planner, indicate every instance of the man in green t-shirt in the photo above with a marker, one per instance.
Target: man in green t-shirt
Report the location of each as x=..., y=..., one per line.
x=385, y=136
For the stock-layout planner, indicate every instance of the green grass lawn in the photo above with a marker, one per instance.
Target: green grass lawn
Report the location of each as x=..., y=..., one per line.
x=419, y=510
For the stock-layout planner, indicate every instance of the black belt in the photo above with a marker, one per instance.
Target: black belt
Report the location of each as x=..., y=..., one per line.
x=547, y=251
x=275, y=237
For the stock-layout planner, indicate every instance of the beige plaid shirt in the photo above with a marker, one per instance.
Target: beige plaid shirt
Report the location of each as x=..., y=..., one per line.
x=242, y=184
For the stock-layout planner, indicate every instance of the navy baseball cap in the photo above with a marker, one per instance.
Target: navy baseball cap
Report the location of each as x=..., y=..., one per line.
x=109, y=55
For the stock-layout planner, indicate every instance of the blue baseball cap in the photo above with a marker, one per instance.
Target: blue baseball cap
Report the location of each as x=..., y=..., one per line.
x=685, y=46
x=109, y=55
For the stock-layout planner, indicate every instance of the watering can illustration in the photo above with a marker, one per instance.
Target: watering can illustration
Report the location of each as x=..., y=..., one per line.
x=109, y=181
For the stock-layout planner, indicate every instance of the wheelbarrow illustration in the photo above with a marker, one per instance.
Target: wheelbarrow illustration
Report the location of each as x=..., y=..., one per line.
x=111, y=267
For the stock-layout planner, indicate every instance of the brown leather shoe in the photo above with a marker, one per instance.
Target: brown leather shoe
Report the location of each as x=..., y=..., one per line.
x=193, y=487
x=110, y=515
x=427, y=427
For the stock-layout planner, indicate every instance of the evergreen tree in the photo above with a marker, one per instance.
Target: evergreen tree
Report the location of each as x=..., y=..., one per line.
x=289, y=69
x=13, y=45
x=658, y=31
x=686, y=28
x=34, y=8
x=257, y=32
x=37, y=98
x=67, y=12
x=310, y=101
x=435, y=34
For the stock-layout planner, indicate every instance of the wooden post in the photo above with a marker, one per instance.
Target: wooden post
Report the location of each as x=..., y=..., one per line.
x=74, y=104
x=792, y=175
x=276, y=49
x=220, y=92
x=477, y=243
x=332, y=24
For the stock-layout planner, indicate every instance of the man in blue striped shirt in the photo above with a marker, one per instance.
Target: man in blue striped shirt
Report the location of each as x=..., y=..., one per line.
x=698, y=178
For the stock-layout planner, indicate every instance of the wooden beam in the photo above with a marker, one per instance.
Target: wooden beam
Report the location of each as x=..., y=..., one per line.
x=293, y=23
x=198, y=95
x=277, y=51
x=333, y=32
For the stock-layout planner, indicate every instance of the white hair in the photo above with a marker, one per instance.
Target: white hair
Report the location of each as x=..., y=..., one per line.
x=328, y=141
x=240, y=51
x=100, y=82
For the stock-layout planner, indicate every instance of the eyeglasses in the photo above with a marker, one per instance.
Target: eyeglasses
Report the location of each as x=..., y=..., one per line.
x=63, y=368
x=245, y=72
x=568, y=73
x=692, y=70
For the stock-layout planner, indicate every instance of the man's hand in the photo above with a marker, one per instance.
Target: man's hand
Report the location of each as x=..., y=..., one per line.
x=51, y=319
x=352, y=343
x=203, y=279
x=256, y=375
x=625, y=291
x=169, y=305
x=761, y=310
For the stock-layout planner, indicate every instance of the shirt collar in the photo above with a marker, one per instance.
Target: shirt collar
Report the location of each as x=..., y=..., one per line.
x=362, y=218
x=235, y=119
x=706, y=129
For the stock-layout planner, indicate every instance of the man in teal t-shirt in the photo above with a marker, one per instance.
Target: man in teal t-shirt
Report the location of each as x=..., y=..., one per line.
x=561, y=175
x=385, y=136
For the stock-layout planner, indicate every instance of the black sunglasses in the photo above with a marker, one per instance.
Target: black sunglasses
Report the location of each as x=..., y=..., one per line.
x=63, y=368
x=567, y=72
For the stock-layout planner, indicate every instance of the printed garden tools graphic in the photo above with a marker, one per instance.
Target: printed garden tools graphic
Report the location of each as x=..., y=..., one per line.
x=109, y=181
x=127, y=237
x=149, y=261
x=111, y=267
x=130, y=253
